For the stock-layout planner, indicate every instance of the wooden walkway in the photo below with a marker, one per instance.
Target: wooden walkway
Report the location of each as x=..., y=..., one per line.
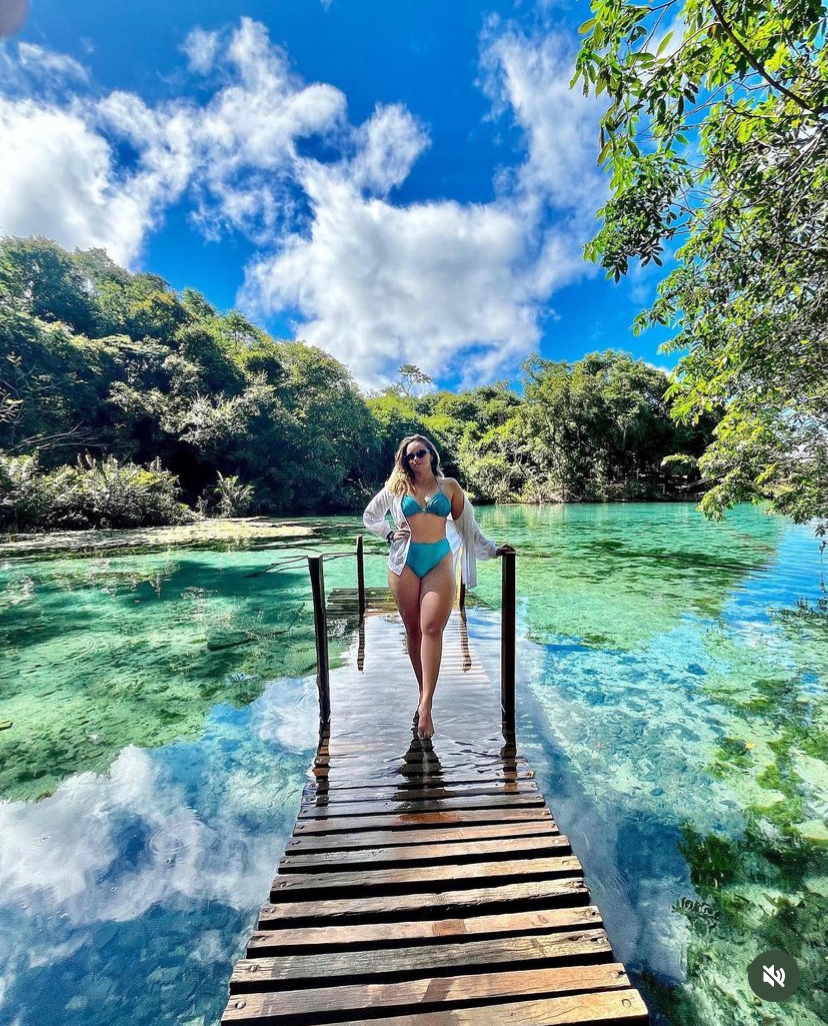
x=426, y=882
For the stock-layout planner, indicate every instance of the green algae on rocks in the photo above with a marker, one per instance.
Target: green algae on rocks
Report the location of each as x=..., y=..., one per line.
x=115, y=650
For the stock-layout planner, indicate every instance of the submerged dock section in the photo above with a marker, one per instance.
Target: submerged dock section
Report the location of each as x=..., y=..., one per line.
x=426, y=882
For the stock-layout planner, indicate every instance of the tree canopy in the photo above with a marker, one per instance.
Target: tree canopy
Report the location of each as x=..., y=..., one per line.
x=716, y=137
x=120, y=399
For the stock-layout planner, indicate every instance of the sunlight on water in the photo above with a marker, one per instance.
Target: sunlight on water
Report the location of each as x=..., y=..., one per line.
x=671, y=697
x=678, y=677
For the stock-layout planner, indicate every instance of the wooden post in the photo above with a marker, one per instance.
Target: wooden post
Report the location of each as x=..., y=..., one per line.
x=360, y=576
x=361, y=646
x=320, y=624
x=507, y=643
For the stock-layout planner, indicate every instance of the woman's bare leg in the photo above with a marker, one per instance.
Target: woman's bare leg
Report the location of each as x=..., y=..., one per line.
x=436, y=598
x=406, y=592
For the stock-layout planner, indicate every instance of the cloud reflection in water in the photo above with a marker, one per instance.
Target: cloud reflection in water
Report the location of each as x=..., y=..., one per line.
x=126, y=896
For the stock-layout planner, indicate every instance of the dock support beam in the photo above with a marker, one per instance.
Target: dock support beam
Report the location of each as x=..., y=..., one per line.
x=360, y=576
x=320, y=624
x=507, y=643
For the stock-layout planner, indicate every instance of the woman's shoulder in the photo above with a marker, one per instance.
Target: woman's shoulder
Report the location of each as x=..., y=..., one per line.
x=452, y=484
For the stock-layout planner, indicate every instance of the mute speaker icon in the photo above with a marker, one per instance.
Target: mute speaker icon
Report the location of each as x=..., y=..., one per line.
x=773, y=976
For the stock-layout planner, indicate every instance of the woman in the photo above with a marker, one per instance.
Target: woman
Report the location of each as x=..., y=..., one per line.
x=421, y=560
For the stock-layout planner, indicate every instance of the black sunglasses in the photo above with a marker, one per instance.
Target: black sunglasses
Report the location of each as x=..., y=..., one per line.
x=422, y=453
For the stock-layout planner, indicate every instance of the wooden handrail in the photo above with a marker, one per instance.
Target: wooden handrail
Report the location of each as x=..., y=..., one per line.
x=320, y=624
x=507, y=643
x=360, y=576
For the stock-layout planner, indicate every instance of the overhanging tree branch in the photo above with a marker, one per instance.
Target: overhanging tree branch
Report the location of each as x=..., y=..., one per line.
x=757, y=67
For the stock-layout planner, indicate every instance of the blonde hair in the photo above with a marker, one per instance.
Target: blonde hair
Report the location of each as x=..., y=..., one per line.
x=401, y=480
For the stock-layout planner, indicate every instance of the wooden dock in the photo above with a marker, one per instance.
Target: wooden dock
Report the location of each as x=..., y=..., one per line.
x=426, y=882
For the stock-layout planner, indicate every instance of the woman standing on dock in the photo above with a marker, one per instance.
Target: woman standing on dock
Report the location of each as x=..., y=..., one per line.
x=424, y=544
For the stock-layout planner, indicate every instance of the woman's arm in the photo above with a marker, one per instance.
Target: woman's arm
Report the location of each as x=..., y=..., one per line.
x=375, y=511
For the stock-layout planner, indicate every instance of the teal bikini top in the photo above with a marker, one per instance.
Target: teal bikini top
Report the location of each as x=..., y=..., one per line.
x=439, y=504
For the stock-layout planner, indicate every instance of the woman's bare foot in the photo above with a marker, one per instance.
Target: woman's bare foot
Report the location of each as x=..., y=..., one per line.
x=425, y=725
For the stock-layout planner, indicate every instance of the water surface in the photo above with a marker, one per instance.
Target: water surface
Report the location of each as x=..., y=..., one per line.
x=671, y=697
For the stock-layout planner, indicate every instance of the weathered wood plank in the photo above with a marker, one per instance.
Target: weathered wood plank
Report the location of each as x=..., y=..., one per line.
x=412, y=776
x=274, y=942
x=430, y=888
x=392, y=879
x=444, y=817
x=320, y=807
x=436, y=993
x=431, y=791
x=422, y=835
x=475, y=956
x=493, y=897
x=373, y=858
x=352, y=766
x=571, y=1010
x=353, y=755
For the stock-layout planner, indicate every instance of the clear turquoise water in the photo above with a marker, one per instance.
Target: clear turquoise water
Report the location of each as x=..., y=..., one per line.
x=672, y=679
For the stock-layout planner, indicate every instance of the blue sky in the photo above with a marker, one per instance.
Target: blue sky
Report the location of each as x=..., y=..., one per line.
x=392, y=181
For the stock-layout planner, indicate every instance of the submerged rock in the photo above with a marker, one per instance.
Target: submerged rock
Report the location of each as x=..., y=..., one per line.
x=813, y=830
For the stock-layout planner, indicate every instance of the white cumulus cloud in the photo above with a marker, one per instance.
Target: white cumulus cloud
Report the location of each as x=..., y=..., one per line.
x=453, y=287
x=529, y=76
x=201, y=48
x=387, y=146
x=381, y=285
x=39, y=60
x=60, y=179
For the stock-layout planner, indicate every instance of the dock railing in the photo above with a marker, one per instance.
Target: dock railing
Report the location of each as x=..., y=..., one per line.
x=507, y=634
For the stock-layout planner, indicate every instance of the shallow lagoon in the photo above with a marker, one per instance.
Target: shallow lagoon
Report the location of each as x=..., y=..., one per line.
x=671, y=697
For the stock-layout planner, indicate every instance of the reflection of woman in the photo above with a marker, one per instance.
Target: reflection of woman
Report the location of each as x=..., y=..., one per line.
x=424, y=545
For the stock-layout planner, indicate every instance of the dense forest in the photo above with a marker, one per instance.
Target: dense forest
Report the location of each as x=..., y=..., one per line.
x=123, y=403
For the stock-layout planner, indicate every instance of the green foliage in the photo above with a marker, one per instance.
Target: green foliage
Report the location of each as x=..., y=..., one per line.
x=41, y=278
x=93, y=493
x=158, y=376
x=232, y=496
x=410, y=377
x=595, y=429
x=161, y=381
x=717, y=139
x=599, y=428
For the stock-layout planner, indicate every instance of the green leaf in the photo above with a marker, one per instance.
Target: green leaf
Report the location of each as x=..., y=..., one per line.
x=664, y=42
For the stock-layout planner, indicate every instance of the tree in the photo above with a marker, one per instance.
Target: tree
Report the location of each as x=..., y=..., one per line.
x=410, y=377
x=717, y=139
x=196, y=305
x=598, y=428
x=41, y=278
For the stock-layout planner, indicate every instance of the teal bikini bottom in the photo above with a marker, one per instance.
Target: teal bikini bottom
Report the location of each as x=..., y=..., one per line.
x=424, y=556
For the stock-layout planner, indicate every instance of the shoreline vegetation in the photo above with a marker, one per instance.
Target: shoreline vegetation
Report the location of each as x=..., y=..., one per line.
x=231, y=531
x=124, y=404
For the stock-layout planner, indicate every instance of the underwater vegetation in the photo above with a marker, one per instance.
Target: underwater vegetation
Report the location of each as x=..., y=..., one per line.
x=671, y=695
x=101, y=652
